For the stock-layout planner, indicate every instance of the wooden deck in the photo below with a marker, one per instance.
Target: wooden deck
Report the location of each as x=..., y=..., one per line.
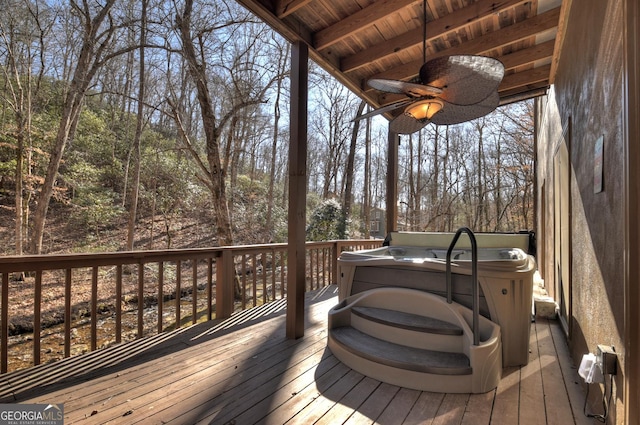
x=244, y=371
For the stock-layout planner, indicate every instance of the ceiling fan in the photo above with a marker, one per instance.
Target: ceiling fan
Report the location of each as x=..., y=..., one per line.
x=450, y=90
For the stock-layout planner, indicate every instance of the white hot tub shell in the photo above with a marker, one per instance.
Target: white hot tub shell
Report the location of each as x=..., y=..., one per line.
x=418, y=261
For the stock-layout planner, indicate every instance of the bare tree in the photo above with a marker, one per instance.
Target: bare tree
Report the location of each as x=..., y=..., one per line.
x=331, y=126
x=193, y=31
x=97, y=39
x=135, y=187
x=366, y=213
x=22, y=39
x=282, y=67
x=348, y=192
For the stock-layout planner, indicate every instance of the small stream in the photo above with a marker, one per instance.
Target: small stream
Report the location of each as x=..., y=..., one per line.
x=20, y=347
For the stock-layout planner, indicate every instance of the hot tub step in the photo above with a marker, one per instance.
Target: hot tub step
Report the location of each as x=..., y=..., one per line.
x=407, y=321
x=385, y=334
x=400, y=356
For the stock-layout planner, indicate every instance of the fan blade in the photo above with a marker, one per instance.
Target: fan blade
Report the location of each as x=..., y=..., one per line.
x=456, y=114
x=403, y=87
x=465, y=79
x=405, y=124
x=386, y=108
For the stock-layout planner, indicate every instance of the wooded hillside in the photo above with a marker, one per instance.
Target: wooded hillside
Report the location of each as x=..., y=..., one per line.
x=156, y=124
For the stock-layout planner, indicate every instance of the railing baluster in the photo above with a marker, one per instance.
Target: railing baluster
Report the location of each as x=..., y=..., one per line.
x=119, y=303
x=243, y=279
x=94, y=308
x=332, y=261
x=269, y=258
x=283, y=285
x=4, y=323
x=67, y=312
x=318, y=281
x=324, y=267
x=160, y=295
x=254, y=279
x=209, y=288
x=311, y=268
x=274, y=267
x=335, y=252
x=194, y=289
x=37, y=309
x=140, y=299
x=317, y=267
x=265, y=289
x=178, y=292
x=319, y=264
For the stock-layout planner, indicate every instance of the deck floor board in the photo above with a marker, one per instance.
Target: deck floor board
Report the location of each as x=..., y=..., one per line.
x=244, y=371
x=531, y=391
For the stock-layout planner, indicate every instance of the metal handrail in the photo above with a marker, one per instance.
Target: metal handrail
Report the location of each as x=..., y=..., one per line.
x=474, y=276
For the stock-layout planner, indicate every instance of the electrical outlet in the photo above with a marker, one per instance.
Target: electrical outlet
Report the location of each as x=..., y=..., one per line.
x=606, y=359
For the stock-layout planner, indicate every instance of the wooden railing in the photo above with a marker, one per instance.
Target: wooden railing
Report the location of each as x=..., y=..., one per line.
x=55, y=306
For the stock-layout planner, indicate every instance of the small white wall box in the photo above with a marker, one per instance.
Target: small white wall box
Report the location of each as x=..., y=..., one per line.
x=606, y=359
x=589, y=370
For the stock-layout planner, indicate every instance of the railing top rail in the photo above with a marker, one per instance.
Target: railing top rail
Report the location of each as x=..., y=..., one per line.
x=213, y=288
x=20, y=263
x=17, y=263
x=256, y=247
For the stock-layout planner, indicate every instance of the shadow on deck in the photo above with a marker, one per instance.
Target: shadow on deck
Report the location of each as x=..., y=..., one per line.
x=243, y=370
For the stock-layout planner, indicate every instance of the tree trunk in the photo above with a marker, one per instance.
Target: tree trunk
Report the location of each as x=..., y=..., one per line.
x=479, y=224
x=417, y=206
x=272, y=164
x=446, y=191
x=435, y=189
x=411, y=186
x=348, y=195
x=274, y=144
x=367, y=182
x=68, y=124
x=211, y=131
x=87, y=65
x=135, y=187
x=19, y=189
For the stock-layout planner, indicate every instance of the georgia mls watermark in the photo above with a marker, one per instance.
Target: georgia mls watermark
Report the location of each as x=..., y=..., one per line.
x=31, y=414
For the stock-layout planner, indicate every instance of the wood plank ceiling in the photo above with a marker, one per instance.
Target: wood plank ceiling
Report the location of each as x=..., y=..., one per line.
x=356, y=40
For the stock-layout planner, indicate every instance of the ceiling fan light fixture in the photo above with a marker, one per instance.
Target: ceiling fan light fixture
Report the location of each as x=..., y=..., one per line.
x=425, y=109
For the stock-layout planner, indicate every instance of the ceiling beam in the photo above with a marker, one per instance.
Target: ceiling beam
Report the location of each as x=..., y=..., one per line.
x=483, y=44
x=436, y=28
x=288, y=26
x=291, y=18
x=358, y=21
x=529, y=55
x=562, y=25
x=287, y=7
x=525, y=79
x=511, y=96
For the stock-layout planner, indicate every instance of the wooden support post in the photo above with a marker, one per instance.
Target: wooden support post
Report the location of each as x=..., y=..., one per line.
x=225, y=275
x=392, y=182
x=297, y=190
x=631, y=129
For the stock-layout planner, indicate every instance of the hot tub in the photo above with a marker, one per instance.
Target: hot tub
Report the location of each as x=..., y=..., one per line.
x=418, y=261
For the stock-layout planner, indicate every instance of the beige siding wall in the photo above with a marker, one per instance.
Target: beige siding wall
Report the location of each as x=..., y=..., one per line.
x=585, y=104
